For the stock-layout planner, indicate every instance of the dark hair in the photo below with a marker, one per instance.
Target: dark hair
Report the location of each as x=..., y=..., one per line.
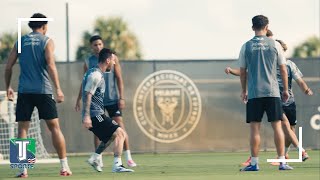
x=259, y=22
x=94, y=38
x=105, y=54
x=284, y=46
x=37, y=24
x=269, y=33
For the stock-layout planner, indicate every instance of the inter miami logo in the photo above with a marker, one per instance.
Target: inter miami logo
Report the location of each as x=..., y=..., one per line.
x=22, y=153
x=167, y=106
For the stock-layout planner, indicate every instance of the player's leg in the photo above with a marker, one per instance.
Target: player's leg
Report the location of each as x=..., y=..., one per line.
x=108, y=130
x=120, y=136
x=97, y=143
x=48, y=111
x=305, y=155
x=254, y=111
x=96, y=158
x=24, y=111
x=116, y=114
x=273, y=107
x=290, y=136
x=23, y=127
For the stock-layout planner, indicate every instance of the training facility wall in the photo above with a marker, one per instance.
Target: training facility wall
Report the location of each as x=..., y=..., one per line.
x=185, y=122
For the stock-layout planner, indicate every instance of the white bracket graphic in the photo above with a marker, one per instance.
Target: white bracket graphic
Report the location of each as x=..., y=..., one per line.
x=300, y=152
x=27, y=19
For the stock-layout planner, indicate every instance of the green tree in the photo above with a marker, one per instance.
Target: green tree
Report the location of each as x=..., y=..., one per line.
x=7, y=40
x=309, y=48
x=115, y=35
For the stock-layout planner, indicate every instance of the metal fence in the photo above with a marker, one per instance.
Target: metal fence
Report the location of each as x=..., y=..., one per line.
x=174, y=106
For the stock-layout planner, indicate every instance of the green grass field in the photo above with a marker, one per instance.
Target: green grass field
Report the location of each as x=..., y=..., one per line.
x=218, y=166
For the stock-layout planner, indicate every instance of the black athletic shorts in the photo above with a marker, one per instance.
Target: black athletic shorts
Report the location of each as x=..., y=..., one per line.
x=113, y=110
x=291, y=113
x=257, y=106
x=45, y=104
x=103, y=127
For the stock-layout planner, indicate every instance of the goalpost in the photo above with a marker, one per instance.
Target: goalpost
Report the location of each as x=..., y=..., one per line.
x=9, y=129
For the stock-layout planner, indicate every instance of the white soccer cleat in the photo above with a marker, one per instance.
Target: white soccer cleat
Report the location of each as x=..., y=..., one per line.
x=95, y=163
x=121, y=169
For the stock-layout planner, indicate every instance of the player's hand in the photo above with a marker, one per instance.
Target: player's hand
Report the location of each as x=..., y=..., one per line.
x=244, y=96
x=10, y=94
x=87, y=123
x=121, y=104
x=309, y=92
x=285, y=96
x=228, y=70
x=60, y=96
x=78, y=105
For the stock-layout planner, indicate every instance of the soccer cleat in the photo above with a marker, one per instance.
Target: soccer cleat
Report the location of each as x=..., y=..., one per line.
x=251, y=168
x=120, y=169
x=247, y=163
x=95, y=163
x=65, y=172
x=284, y=166
x=305, y=156
x=22, y=175
x=131, y=163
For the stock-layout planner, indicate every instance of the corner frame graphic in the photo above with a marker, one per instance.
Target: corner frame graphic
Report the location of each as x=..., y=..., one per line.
x=20, y=20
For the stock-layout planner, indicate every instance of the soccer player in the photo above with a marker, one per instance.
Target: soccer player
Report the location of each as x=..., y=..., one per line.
x=93, y=117
x=259, y=59
x=36, y=65
x=114, y=100
x=289, y=116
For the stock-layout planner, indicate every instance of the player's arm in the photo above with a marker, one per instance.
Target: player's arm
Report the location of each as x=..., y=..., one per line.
x=118, y=73
x=235, y=72
x=297, y=76
x=87, y=123
x=52, y=69
x=90, y=88
x=283, y=71
x=304, y=87
x=12, y=59
x=243, y=74
x=78, y=102
x=243, y=80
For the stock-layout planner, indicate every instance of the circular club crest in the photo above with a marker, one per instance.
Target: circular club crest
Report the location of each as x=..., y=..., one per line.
x=167, y=106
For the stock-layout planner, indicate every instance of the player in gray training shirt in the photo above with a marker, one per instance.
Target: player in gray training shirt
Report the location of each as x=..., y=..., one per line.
x=93, y=117
x=259, y=59
x=36, y=65
x=289, y=119
x=114, y=100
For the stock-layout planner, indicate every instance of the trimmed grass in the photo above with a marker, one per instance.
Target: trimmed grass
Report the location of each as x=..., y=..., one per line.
x=187, y=166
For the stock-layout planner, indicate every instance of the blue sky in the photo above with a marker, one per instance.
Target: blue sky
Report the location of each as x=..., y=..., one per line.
x=173, y=29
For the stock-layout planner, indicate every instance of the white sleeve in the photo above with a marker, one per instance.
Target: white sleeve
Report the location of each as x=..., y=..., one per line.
x=295, y=71
x=242, y=57
x=93, y=82
x=280, y=57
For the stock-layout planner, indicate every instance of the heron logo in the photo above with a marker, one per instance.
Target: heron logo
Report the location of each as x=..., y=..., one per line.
x=167, y=106
x=22, y=153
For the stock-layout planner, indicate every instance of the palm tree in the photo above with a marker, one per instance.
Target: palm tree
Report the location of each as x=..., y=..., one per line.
x=115, y=35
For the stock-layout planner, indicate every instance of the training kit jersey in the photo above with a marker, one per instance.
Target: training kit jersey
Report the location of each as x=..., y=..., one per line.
x=261, y=57
x=34, y=78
